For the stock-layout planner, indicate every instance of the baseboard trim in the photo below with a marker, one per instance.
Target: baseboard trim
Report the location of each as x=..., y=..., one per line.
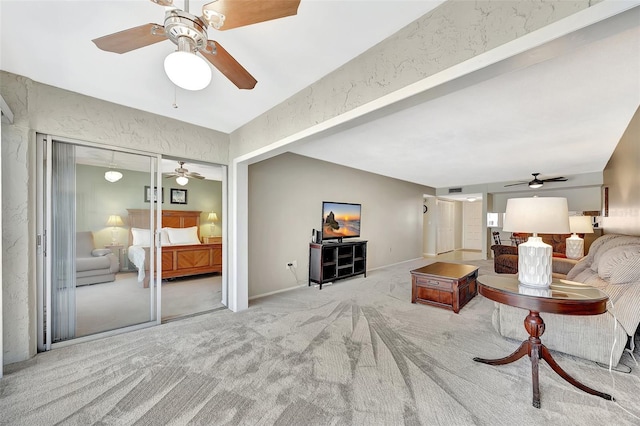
x=305, y=284
x=282, y=290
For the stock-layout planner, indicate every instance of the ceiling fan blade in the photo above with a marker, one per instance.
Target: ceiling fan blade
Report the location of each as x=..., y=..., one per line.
x=170, y=175
x=556, y=179
x=163, y=2
x=228, y=14
x=514, y=184
x=227, y=65
x=194, y=175
x=131, y=39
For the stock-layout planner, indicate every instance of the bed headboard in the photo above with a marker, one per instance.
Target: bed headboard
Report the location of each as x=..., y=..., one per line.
x=139, y=218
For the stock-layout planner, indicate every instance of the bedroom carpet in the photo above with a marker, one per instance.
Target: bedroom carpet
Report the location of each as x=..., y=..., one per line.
x=124, y=302
x=355, y=353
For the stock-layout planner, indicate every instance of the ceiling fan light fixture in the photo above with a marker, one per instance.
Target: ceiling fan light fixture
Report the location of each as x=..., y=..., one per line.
x=112, y=176
x=187, y=70
x=535, y=185
x=182, y=180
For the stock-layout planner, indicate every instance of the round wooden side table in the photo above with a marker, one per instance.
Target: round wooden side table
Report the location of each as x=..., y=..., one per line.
x=562, y=297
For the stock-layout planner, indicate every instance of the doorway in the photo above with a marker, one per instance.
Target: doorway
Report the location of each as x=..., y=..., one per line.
x=94, y=279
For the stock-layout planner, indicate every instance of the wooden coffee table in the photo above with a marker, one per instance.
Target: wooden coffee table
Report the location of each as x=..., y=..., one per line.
x=446, y=285
x=562, y=297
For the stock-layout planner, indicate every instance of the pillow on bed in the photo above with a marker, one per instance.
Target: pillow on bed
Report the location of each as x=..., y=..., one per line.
x=140, y=237
x=183, y=235
x=164, y=237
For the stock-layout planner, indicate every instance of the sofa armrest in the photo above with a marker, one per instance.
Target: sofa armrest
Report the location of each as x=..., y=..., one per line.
x=560, y=265
x=499, y=249
x=100, y=252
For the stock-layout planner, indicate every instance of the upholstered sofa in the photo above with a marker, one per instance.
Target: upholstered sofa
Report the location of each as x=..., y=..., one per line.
x=613, y=266
x=505, y=258
x=93, y=265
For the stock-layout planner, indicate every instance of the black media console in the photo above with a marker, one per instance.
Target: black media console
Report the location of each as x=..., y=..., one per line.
x=335, y=261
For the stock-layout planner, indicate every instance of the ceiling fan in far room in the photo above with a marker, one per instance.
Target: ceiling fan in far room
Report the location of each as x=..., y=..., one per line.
x=182, y=175
x=189, y=33
x=537, y=183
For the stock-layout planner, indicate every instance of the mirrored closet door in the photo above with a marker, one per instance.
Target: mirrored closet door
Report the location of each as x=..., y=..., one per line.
x=95, y=271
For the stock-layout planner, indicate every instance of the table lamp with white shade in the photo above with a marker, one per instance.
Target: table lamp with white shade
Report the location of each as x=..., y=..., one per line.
x=212, y=219
x=575, y=244
x=114, y=221
x=548, y=215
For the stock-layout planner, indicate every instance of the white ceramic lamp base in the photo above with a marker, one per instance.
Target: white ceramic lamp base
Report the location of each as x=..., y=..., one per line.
x=575, y=247
x=534, y=263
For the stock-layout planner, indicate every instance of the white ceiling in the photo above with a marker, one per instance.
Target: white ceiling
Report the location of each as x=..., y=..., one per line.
x=559, y=115
x=52, y=44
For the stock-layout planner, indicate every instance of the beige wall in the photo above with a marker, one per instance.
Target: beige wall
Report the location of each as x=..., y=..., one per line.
x=46, y=109
x=578, y=199
x=285, y=203
x=96, y=199
x=622, y=177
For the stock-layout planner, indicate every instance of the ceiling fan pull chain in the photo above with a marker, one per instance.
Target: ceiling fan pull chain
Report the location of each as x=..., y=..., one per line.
x=175, y=97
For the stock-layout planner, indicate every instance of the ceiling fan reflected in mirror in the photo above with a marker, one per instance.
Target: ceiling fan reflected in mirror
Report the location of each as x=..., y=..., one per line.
x=182, y=175
x=184, y=67
x=537, y=183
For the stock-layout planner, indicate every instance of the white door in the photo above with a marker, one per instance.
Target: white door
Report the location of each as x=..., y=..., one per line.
x=446, y=222
x=472, y=219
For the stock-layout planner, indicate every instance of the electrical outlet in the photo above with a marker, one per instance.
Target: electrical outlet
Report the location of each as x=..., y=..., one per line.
x=292, y=264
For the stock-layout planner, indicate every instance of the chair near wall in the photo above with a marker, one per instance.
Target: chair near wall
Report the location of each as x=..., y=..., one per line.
x=496, y=237
x=518, y=238
x=93, y=265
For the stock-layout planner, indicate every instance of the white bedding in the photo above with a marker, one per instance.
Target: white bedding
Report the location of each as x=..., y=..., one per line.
x=136, y=256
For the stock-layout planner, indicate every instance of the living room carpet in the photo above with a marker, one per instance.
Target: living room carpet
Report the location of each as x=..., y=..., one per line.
x=354, y=353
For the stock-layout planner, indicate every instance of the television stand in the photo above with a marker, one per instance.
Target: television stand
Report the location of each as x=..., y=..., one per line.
x=332, y=261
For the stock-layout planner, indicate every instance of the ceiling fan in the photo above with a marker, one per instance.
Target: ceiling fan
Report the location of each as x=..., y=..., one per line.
x=189, y=33
x=537, y=183
x=182, y=175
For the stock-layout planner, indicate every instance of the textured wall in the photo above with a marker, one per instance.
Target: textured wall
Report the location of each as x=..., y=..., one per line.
x=46, y=109
x=285, y=204
x=450, y=34
x=622, y=177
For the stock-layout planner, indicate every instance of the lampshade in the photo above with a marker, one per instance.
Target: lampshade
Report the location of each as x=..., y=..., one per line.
x=112, y=176
x=548, y=215
x=114, y=220
x=182, y=180
x=580, y=224
x=212, y=217
x=574, y=245
x=187, y=70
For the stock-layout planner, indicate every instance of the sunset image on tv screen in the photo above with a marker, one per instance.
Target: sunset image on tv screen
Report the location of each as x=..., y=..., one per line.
x=340, y=220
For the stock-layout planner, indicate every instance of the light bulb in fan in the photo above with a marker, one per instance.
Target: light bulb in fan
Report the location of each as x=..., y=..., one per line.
x=187, y=70
x=182, y=181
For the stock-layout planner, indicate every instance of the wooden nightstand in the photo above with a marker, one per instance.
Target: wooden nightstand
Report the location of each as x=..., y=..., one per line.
x=212, y=240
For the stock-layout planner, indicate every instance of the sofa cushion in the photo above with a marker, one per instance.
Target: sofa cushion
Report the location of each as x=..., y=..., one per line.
x=613, y=241
x=620, y=265
x=88, y=263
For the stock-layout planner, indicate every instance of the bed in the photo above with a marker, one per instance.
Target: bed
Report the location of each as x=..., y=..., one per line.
x=185, y=256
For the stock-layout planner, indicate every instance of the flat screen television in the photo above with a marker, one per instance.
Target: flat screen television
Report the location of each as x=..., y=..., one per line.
x=340, y=220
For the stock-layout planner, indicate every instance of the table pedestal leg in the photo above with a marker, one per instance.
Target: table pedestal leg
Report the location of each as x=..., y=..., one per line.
x=536, y=350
